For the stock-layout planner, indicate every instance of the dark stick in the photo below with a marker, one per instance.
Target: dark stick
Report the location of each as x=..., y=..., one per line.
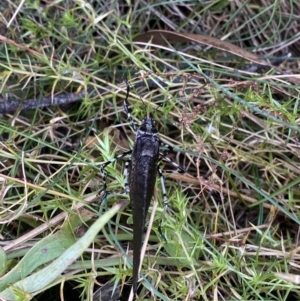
x=12, y=104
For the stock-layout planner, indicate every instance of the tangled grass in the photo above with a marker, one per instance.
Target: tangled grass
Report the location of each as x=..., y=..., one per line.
x=223, y=84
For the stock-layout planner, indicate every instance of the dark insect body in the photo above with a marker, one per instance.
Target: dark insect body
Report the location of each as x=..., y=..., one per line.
x=141, y=181
x=140, y=177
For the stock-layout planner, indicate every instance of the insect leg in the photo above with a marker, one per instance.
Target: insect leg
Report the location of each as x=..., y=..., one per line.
x=165, y=200
x=104, y=174
x=167, y=146
x=179, y=168
x=125, y=174
x=163, y=187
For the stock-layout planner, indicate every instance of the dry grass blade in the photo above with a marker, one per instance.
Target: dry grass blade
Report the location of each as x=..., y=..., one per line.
x=161, y=36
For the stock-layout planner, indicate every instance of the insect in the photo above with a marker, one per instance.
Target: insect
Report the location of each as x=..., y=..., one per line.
x=140, y=177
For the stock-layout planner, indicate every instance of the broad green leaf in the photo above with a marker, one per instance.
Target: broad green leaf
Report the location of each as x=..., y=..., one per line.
x=3, y=262
x=44, y=251
x=44, y=277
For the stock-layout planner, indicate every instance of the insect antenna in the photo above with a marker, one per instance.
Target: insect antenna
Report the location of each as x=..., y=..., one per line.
x=126, y=107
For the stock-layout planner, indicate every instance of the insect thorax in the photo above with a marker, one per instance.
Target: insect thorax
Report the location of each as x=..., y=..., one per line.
x=148, y=126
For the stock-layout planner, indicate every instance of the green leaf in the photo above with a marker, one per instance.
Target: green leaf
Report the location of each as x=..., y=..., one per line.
x=180, y=246
x=44, y=277
x=46, y=250
x=3, y=262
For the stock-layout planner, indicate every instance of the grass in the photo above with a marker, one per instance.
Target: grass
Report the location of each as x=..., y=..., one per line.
x=233, y=224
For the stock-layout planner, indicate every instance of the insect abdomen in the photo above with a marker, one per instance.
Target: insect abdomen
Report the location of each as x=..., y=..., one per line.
x=142, y=176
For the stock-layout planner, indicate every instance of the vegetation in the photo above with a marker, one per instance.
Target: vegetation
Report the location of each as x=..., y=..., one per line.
x=223, y=84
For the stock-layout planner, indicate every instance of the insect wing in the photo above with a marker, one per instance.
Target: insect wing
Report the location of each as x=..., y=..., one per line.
x=142, y=176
